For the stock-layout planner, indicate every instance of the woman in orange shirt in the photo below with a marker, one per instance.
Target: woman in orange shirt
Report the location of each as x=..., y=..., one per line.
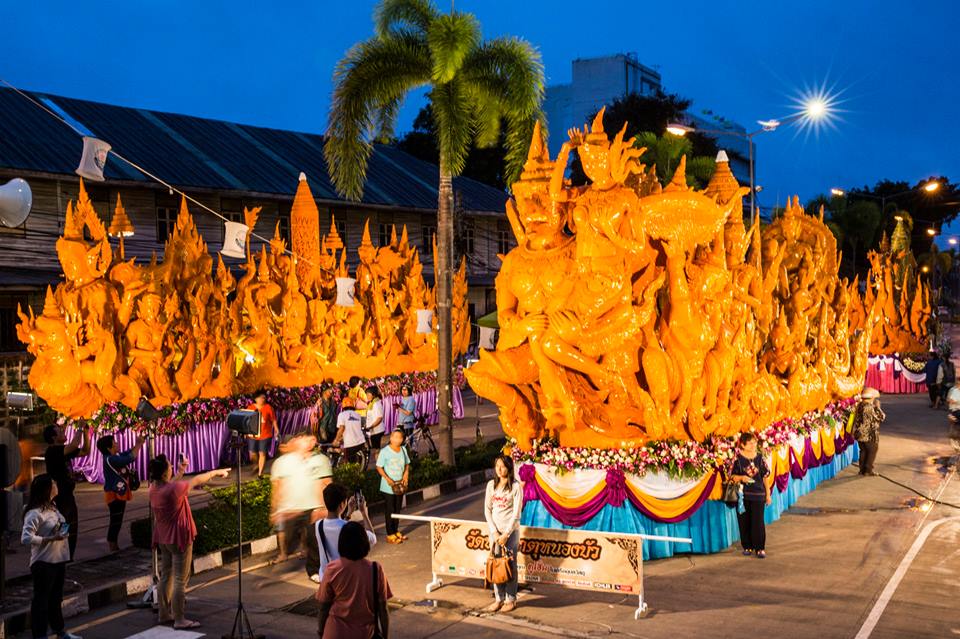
x=260, y=446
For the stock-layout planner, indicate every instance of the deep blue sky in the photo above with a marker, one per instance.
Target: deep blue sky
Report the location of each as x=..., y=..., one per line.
x=270, y=64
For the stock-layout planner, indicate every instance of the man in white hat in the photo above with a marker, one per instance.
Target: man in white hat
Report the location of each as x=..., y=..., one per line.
x=866, y=428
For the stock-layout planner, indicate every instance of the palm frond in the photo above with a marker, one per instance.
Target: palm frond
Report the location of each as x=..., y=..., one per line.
x=486, y=119
x=508, y=73
x=452, y=109
x=403, y=17
x=369, y=82
x=452, y=37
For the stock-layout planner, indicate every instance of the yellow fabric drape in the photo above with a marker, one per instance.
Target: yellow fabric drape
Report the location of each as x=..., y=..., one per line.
x=667, y=508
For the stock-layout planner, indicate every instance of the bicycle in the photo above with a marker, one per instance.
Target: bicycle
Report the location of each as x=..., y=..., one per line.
x=421, y=438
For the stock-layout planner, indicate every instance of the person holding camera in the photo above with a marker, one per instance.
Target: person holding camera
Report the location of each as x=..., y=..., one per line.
x=393, y=464
x=173, y=533
x=58, y=456
x=45, y=530
x=406, y=410
x=868, y=417
x=327, y=530
x=119, y=482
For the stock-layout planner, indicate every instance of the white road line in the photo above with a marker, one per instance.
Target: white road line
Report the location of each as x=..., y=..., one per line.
x=874, y=617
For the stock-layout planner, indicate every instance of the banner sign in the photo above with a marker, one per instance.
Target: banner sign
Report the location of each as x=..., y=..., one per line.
x=588, y=560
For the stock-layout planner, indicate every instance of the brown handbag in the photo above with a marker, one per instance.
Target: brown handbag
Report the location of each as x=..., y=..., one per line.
x=498, y=570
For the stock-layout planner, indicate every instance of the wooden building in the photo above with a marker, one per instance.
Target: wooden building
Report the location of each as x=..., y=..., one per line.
x=227, y=166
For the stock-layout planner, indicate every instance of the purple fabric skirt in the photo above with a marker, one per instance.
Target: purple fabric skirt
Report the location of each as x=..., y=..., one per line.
x=207, y=446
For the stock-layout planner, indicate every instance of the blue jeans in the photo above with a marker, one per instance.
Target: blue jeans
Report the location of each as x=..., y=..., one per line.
x=508, y=591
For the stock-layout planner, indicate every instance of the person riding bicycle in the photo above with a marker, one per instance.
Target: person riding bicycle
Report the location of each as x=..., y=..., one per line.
x=350, y=431
x=406, y=410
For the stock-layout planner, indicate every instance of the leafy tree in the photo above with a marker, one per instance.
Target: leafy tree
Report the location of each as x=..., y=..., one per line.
x=474, y=87
x=647, y=113
x=484, y=164
x=665, y=152
x=855, y=224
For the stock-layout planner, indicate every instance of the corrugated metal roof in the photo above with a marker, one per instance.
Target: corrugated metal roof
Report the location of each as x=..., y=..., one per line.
x=192, y=152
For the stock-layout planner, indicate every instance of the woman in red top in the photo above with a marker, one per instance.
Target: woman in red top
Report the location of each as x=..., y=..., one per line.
x=353, y=593
x=260, y=446
x=173, y=533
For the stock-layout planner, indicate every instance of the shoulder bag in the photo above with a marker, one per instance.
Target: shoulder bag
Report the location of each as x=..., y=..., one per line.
x=128, y=480
x=377, y=627
x=498, y=569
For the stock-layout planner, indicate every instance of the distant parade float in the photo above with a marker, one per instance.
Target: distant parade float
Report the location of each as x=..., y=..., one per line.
x=197, y=341
x=907, y=328
x=642, y=328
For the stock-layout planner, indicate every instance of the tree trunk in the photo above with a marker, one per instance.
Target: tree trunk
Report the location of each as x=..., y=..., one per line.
x=443, y=277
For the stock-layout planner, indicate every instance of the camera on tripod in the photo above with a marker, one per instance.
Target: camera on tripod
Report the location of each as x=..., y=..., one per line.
x=244, y=422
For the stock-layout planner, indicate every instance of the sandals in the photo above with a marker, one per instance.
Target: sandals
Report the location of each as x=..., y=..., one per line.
x=186, y=624
x=761, y=554
x=747, y=553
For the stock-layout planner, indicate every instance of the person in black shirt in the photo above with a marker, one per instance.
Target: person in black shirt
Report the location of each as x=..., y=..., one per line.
x=749, y=470
x=58, y=456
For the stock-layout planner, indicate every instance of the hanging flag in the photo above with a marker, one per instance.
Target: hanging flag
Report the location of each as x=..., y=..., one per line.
x=424, y=321
x=345, y=291
x=488, y=338
x=234, y=239
x=94, y=159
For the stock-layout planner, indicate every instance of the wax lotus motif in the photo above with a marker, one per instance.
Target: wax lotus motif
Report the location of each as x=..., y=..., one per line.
x=632, y=312
x=183, y=328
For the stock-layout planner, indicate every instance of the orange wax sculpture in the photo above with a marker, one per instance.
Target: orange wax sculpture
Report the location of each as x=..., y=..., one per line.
x=115, y=331
x=632, y=312
x=903, y=299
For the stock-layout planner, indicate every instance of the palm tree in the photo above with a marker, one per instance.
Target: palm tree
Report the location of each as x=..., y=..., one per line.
x=475, y=88
x=665, y=152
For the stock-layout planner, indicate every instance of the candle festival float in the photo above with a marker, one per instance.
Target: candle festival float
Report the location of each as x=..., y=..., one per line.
x=642, y=328
x=907, y=328
x=197, y=341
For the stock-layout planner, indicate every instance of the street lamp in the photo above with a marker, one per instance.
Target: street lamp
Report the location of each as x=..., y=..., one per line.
x=930, y=187
x=814, y=109
x=931, y=232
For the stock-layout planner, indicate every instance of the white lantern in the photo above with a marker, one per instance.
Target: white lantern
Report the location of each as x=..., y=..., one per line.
x=94, y=159
x=424, y=320
x=234, y=239
x=345, y=291
x=488, y=338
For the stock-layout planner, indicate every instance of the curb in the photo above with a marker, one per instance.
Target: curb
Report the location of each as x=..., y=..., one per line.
x=121, y=590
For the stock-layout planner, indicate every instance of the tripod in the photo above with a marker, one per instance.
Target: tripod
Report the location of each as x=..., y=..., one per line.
x=241, y=623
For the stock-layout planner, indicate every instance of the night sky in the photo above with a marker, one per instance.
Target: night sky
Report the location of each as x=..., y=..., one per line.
x=893, y=66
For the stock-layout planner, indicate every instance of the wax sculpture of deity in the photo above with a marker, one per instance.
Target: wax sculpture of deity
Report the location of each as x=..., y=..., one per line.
x=632, y=312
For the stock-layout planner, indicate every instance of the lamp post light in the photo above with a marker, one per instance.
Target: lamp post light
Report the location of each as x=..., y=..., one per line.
x=815, y=109
x=931, y=186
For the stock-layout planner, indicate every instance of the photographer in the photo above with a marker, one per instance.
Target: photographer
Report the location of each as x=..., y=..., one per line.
x=406, y=410
x=327, y=530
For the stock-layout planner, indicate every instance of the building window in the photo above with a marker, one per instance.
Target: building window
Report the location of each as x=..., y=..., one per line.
x=469, y=234
x=166, y=221
x=342, y=231
x=429, y=236
x=283, y=220
x=503, y=238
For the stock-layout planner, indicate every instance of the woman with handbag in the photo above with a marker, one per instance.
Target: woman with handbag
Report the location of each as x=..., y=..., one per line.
x=119, y=482
x=393, y=464
x=501, y=507
x=750, y=470
x=353, y=593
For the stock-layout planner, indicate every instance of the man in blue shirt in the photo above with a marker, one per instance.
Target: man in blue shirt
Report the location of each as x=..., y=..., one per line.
x=934, y=373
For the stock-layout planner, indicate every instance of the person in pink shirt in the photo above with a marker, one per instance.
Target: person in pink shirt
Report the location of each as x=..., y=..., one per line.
x=173, y=533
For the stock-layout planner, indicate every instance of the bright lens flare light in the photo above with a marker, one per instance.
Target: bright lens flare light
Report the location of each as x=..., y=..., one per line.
x=816, y=108
x=931, y=187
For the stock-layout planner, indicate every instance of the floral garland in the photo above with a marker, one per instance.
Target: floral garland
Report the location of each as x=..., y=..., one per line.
x=179, y=417
x=680, y=459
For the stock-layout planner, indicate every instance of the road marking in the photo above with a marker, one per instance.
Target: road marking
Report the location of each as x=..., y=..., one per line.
x=874, y=617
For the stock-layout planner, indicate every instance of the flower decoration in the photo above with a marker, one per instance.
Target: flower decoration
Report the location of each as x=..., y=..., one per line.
x=177, y=418
x=680, y=459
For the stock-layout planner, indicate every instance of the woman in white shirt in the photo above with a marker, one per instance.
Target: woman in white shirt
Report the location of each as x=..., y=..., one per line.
x=375, y=426
x=501, y=507
x=45, y=530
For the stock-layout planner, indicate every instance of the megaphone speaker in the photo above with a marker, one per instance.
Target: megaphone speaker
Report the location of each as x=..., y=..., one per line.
x=16, y=198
